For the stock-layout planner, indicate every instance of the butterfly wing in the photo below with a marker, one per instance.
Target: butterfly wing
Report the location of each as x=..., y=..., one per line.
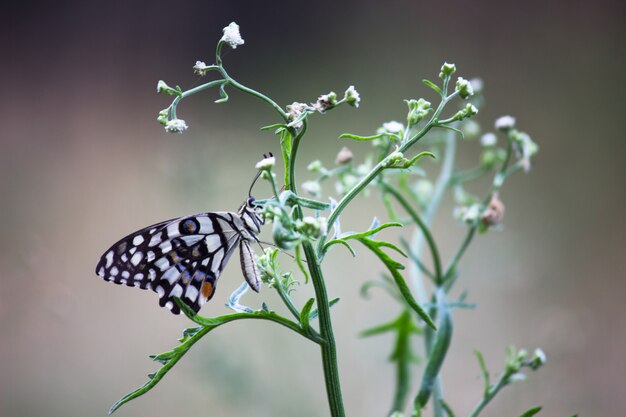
x=182, y=258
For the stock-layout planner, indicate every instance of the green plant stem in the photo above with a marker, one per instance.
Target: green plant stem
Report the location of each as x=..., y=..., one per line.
x=191, y=92
x=253, y=93
x=422, y=226
x=327, y=344
x=286, y=299
x=499, y=178
x=291, y=184
x=437, y=351
x=493, y=390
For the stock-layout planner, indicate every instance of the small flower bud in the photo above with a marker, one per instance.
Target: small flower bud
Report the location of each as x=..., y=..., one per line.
x=470, y=128
x=344, y=156
x=537, y=360
x=464, y=88
x=163, y=116
x=447, y=70
x=176, y=126
x=505, y=123
x=200, y=68
x=162, y=87
x=477, y=85
x=418, y=109
x=312, y=227
x=312, y=187
x=395, y=159
x=393, y=127
x=489, y=139
x=424, y=190
x=266, y=164
x=493, y=214
x=517, y=377
x=468, y=214
x=232, y=35
x=325, y=102
x=284, y=237
x=352, y=97
x=315, y=166
x=468, y=111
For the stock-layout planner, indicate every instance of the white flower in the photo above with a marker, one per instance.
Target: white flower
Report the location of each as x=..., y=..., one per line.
x=393, y=127
x=505, y=123
x=352, y=97
x=477, y=85
x=232, y=35
x=266, y=163
x=312, y=187
x=176, y=126
x=488, y=139
x=200, y=68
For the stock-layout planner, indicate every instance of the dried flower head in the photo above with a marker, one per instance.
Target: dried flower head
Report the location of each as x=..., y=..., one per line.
x=325, y=102
x=493, y=214
x=294, y=111
x=344, y=156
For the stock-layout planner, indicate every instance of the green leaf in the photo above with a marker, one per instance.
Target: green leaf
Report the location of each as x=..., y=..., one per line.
x=342, y=239
x=484, y=371
x=315, y=313
x=531, y=412
x=360, y=138
x=433, y=86
x=289, y=198
x=380, y=329
x=274, y=126
x=342, y=242
x=436, y=358
x=447, y=408
x=393, y=268
x=192, y=335
x=460, y=132
x=223, y=94
x=305, y=314
x=168, y=359
x=300, y=264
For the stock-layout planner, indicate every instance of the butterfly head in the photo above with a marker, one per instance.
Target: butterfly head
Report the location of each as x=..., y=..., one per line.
x=251, y=215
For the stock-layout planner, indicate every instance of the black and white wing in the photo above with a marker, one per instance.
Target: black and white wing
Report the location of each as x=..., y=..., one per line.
x=181, y=258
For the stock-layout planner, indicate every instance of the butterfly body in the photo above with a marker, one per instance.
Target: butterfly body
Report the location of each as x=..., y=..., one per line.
x=184, y=257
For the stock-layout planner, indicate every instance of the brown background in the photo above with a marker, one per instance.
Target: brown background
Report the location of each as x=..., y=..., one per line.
x=83, y=162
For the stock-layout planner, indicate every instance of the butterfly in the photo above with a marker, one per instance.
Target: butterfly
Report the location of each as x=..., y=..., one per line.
x=184, y=257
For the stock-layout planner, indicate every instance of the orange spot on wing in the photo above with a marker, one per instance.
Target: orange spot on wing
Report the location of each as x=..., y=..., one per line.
x=207, y=289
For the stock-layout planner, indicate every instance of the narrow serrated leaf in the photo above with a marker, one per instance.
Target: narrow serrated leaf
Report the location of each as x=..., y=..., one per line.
x=314, y=312
x=433, y=86
x=531, y=412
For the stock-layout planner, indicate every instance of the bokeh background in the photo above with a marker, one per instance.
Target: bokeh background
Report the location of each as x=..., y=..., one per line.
x=83, y=162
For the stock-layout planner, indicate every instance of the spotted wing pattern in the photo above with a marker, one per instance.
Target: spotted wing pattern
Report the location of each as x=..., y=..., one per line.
x=177, y=258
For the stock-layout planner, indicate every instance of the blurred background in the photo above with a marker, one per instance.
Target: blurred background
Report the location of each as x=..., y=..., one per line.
x=83, y=162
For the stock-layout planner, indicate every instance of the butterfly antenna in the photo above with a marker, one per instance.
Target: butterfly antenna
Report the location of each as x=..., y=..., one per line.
x=258, y=174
